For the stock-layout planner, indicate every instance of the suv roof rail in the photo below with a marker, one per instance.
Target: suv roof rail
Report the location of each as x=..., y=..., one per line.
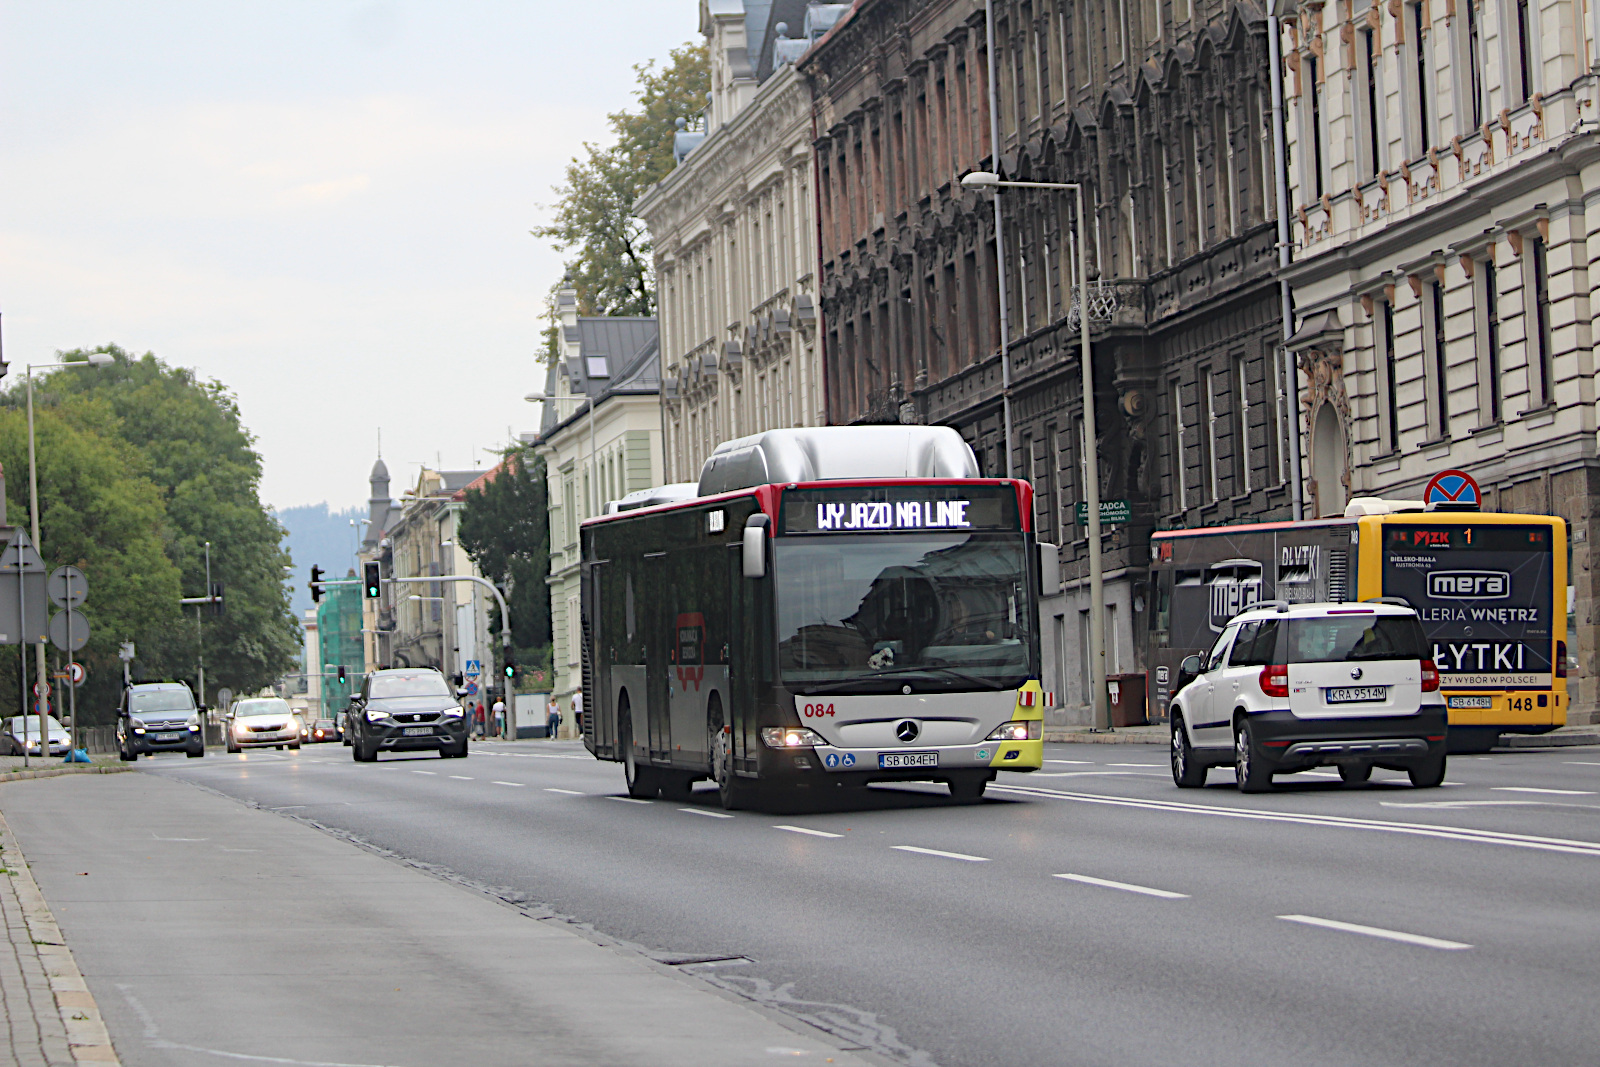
x=1396, y=601
x=1280, y=606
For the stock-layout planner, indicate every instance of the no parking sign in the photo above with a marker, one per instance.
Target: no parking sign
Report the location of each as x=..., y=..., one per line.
x=1454, y=489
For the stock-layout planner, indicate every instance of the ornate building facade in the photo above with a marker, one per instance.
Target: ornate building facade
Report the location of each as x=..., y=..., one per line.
x=734, y=232
x=1444, y=161
x=1161, y=110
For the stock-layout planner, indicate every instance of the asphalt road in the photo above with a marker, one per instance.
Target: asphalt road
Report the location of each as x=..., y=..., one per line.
x=1087, y=914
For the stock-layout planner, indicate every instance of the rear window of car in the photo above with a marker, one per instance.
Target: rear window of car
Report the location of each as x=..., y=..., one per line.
x=1347, y=638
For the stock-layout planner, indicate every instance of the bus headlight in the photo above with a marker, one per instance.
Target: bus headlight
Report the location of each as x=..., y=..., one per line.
x=1019, y=730
x=790, y=737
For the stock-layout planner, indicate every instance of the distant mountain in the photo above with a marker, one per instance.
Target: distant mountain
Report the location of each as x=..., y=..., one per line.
x=322, y=537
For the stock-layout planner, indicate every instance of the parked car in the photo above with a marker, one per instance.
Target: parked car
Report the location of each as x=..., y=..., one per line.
x=406, y=710
x=159, y=717
x=46, y=738
x=323, y=730
x=1285, y=689
x=261, y=722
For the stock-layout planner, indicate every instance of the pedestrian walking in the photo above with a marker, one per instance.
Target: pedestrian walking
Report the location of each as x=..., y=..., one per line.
x=499, y=718
x=552, y=718
x=577, y=709
x=477, y=722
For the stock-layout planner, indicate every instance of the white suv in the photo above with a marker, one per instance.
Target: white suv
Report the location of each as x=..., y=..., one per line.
x=1288, y=688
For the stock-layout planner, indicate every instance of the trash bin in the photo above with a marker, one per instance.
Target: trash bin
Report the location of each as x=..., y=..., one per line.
x=1127, y=692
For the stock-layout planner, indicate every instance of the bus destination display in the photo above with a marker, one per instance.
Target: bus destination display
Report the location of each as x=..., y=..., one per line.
x=899, y=509
x=1485, y=595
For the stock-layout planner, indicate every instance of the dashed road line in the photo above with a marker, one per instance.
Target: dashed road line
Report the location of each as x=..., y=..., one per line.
x=1135, y=765
x=941, y=853
x=1580, y=763
x=805, y=830
x=568, y=792
x=1127, y=887
x=707, y=812
x=516, y=785
x=629, y=800
x=463, y=778
x=1376, y=931
x=424, y=772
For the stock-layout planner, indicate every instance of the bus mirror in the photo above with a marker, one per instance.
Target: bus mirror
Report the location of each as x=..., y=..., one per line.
x=1049, y=569
x=755, y=551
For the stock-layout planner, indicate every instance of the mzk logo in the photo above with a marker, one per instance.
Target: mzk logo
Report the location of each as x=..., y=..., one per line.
x=1469, y=585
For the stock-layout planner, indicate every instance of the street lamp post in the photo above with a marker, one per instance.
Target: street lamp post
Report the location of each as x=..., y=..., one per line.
x=95, y=359
x=594, y=484
x=1097, y=626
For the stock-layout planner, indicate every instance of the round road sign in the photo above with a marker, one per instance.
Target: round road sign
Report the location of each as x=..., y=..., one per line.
x=67, y=587
x=69, y=642
x=77, y=673
x=41, y=689
x=1452, y=487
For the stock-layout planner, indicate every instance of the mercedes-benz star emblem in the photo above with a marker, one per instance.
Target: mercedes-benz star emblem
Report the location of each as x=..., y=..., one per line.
x=907, y=731
x=1355, y=672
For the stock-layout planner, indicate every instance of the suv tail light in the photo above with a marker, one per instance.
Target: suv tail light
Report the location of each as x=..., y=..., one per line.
x=1561, y=659
x=1275, y=680
x=1430, y=677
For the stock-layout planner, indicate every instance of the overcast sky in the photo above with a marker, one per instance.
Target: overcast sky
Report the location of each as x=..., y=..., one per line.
x=325, y=204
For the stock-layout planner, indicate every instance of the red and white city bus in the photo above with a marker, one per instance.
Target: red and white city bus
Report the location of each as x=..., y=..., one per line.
x=839, y=606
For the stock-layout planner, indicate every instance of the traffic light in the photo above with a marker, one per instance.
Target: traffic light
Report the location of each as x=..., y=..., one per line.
x=372, y=580
x=316, y=584
x=510, y=667
x=341, y=674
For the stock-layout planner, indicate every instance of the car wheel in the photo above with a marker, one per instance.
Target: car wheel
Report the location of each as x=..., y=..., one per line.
x=295, y=747
x=196, y=753
x=1428, y=774
x=124, y=755
x=1187, y=772
x=1355, y=773
x=1254, y=773
x=968, y=790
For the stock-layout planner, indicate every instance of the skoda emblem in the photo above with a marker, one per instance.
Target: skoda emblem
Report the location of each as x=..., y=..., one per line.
x=1355, y=672
x=907, y=731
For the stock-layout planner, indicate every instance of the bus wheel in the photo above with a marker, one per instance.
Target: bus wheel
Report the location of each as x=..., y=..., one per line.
x=735, y=793
x=643, y=782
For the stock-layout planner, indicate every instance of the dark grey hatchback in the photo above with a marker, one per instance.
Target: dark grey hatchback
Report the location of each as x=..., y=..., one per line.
x=406, y=710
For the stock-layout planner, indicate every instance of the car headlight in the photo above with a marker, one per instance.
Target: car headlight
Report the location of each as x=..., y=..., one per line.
x=453, y=713
x=376, y=715
x=1019, y=730
x=790, y=737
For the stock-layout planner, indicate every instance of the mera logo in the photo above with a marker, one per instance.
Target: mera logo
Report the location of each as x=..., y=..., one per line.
x=1469, y=585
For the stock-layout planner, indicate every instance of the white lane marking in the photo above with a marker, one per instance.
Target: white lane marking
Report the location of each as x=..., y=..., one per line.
x=1135, y=765
x=708, y=814
x=1100, y=774
x=1580, y=763
x=424, y=772
x=938, y=852
x=1465, y=804
x=462, y=778
x=517, y=785
x=1337, y=822
x=804, y=830
x=1547, y=792
x=568, y=792
x=1126, y=886
x=1376, y=931
x=629, y=800
x=1077, y=762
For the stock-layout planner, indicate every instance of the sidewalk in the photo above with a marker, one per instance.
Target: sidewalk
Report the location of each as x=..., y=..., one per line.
x=212, y=932
x=50, y=1016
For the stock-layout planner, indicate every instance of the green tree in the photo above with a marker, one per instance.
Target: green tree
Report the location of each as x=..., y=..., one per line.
x=505, y=528
x=612, y=270
x=101, y=513
x=191, y=444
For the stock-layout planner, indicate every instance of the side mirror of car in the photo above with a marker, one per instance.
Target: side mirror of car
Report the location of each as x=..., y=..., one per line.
x=1189, y=670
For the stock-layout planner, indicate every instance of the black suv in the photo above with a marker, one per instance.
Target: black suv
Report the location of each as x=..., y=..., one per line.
x=159, y=717
x=406, y=710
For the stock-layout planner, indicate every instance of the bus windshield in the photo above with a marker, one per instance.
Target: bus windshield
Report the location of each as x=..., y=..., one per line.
x=873, y=613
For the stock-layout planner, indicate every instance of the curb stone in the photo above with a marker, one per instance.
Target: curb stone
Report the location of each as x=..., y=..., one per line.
x=51, y=772
x=78, y=1017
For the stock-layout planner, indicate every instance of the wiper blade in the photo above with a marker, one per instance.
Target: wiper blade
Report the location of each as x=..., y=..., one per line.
x=973, y=679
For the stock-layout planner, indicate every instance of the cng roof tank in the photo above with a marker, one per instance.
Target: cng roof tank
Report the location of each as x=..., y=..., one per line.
x=832, y=453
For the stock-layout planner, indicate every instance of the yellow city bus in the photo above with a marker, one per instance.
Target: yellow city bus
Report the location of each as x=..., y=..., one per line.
x=1490, y=589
